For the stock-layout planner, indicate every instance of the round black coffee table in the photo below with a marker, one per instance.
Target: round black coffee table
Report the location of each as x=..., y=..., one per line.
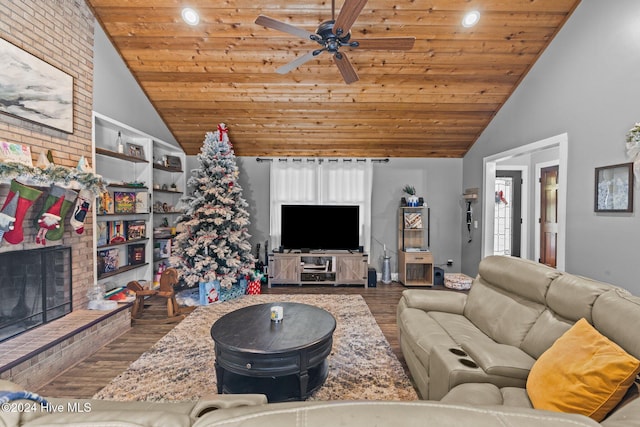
x=286, y=360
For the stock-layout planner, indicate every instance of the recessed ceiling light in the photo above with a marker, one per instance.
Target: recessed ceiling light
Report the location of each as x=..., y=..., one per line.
x=471, y=19
x=190, y=16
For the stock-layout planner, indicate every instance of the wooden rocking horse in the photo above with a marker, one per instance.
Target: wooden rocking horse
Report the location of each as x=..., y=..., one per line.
x=168, y=280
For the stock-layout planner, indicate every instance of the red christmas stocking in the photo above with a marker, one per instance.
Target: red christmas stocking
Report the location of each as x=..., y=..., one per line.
x=24, y=198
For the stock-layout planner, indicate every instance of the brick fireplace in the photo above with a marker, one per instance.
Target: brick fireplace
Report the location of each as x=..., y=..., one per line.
x=61, y=33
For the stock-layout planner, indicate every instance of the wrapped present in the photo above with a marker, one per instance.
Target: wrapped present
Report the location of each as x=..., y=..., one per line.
x=208, y=292
x=254, y=287
x=212, y=291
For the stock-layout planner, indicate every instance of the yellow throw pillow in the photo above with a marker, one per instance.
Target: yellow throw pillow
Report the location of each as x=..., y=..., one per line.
x=583, y=372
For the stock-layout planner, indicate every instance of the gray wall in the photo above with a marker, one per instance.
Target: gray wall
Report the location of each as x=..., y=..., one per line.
x=437, y=180
x=116, y=93
x=586, y=84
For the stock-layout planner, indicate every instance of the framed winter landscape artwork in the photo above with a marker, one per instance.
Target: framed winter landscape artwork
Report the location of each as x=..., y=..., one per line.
x=34, y=90
x=614, y=188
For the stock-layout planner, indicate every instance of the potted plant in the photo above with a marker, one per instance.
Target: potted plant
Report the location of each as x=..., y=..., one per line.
x=412, y=200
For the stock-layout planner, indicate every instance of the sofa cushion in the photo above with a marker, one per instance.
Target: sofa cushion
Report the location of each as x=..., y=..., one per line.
x=583, y=372
x=505, y=317
x=613, y=312
x=487, y=394
x=572, y=297
x=523, y=277
x=459, y=328
x=547, y=329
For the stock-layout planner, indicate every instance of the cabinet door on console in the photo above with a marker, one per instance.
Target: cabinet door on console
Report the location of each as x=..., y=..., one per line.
x=284, y=269
x=352, y=269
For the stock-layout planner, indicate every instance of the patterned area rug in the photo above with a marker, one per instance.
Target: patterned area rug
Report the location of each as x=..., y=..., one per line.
x=181, y=365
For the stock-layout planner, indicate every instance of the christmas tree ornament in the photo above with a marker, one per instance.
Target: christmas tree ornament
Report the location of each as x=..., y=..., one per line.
x=69, y=199
x=83, y=203
x=25, y=197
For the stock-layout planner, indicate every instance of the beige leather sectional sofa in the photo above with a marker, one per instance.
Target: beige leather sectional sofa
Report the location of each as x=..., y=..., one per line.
x=478, y=348
x=253, y=411
x=469, y=353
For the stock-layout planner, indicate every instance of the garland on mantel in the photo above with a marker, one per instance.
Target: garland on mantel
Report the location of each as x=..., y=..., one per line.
x=52, y=174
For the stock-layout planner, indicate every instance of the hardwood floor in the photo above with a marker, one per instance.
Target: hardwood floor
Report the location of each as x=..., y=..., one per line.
x=89, y=376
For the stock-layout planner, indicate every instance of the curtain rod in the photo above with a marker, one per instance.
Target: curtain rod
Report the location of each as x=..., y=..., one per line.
x=270, y=159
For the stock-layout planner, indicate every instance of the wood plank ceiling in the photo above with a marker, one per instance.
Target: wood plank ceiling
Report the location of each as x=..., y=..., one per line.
x=431, y=101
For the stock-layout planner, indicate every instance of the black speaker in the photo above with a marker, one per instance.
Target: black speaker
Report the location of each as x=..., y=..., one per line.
x=438, y=276
x=281, y=249
x=361, y=249
x=372, y=277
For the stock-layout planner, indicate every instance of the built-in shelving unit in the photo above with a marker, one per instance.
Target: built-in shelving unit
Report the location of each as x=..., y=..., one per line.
x=125, y=219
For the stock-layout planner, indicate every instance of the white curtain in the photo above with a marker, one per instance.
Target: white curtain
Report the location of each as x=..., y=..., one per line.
x=322, y=182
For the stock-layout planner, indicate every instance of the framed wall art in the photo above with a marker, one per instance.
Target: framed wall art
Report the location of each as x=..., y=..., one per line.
x=34, y=90
x=135, y=150
x=614, y=188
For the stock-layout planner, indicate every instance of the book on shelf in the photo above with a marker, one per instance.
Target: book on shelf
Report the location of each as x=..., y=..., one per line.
x=136, y=229
x=142, y=202
x=162, y=248
x=108, y=260
x=124, y=202
x=102, y=232
x=116, y=232
x=416, y=250
x=136, y=254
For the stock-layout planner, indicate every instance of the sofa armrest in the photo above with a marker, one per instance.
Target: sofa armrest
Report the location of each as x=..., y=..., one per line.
x=500, y=359
x=427, y=300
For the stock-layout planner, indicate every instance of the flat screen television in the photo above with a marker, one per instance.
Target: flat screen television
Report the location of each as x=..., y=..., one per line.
x=320, y=227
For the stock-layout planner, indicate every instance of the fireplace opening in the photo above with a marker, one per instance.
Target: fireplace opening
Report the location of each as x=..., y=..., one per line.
x=35, y=288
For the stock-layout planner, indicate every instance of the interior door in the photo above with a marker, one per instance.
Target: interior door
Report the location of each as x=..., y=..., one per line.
x=548, y=215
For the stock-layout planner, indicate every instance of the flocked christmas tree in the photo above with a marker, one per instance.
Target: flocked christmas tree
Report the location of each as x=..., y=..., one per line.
x=212, y=241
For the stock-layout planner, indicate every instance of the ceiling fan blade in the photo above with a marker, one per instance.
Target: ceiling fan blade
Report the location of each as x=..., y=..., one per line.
x=295, y=63
x=348, y=14
x=388, y=43
x=346, y=69
x=265, y=21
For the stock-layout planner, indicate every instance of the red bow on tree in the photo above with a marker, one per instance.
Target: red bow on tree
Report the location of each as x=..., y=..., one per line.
x=223, y=130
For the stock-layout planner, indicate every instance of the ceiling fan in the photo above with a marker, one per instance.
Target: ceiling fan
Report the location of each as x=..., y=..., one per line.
x=334, y=34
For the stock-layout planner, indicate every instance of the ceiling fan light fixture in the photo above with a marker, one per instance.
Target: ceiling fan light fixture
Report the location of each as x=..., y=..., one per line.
x=190, y=16
x=471, y=19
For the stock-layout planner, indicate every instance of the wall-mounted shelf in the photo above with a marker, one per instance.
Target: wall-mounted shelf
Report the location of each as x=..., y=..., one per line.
x=121, y=156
